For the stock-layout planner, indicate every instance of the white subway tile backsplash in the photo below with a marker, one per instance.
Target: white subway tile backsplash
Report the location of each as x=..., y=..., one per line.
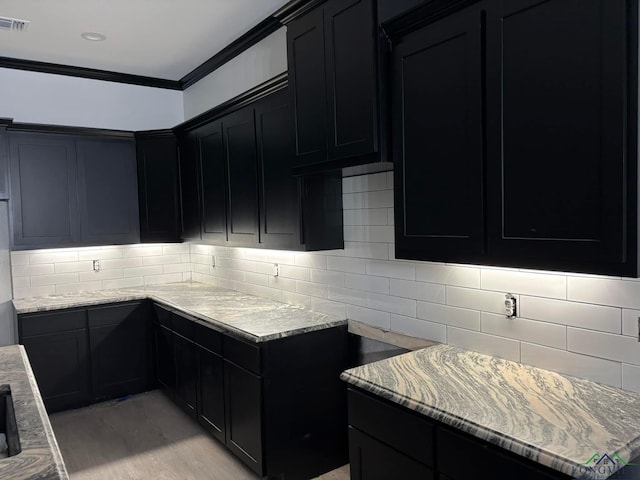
x=142, y=251
x=374, y=318
x=54, y=257
x=98, y=253
x=162, y=278
x=482, y=300
x=175, y=248
x=484, y=343
x=201, y=259
x=583, y=366
x=32, y=270
x=346, y=295
x=162, y=259
x=631, y=377
x=142, y=271
x=19, y=282
x=19, y=258
x=79, y=287
x=123, y=283
x=428, y=292
x=296, y=299
x=387, y=303
x=92, y=276
x=377, y=251
x=604, y=345
x=269, y=293
x=199, y=249
x=365, y=183
x=366, y=216
x=631, y=323
x=311, y=289
x=271, y=256
x=296, y=273
x=41, y=280
x=233, y=263
x=112, y=263
x=311, y=260
x=202, y=269
x=551, y=286
x=329, y=307
x=448, y=274
x=377, y=199
x=345, y=264
x=176, y=268
x=367, y=283
x=337, y=279
x=604, y=291
x=374, y=234
x=542, y=333
x=281, y=283
x=257, y=278
x=393, y=269
x=457, y=317
x=419, y=328
x=25, y=292
x=583, y=315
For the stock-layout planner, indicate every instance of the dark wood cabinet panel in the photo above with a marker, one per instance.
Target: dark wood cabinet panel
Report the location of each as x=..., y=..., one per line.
x=44, y=190
x=242, y=177
x=165, y=366
x=351, y=54
x=437, y=106
x=322, y=215
x=305, y=55
x=4, y=163
x=158, y=191
x=119, y=344
x=186, y=374
x=243, y=392
x=210, y=150
x=211, y=408
x=107, y=191
x=558, y=177
x=279, y=190
x=190, y=186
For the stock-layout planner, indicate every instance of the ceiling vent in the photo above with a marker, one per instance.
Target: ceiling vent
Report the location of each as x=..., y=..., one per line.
x=7, y=23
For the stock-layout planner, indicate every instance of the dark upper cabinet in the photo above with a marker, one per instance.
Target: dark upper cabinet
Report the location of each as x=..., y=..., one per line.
x=107, y=191
x=333, y=76
x=44, y=190
x=210, y=150
x=158, y=189
x=515, y=136
x=242, y=182
x=438, y=144
x=561, y=116
x=278, y=189
x=190, y=187
x=4, y=163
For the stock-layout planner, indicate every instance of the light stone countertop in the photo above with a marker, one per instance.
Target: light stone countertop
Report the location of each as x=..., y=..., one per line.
x=40, y=457
x=553, y=419
x=253, y=318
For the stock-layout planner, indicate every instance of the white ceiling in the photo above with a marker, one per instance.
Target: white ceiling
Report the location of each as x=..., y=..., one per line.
x=155, y=38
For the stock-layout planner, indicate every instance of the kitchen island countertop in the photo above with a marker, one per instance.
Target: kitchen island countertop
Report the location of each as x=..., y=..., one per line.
x=553, y=419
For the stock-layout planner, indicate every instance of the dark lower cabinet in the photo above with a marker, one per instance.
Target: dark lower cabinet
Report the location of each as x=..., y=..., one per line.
x=186, y=374
x=210, y=400
x=57, y=345
x=120, y=353
x=243, y=391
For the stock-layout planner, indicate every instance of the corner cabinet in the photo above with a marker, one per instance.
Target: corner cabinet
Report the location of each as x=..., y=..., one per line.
x=514, y=148
x=72, y=190
x=333, y=59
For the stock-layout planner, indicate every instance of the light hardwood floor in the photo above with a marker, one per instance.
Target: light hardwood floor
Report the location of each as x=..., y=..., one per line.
x=145, y=437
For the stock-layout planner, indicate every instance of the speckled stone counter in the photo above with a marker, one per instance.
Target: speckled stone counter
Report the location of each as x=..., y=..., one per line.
x=40, y=456
x=253, y=318
x=555, y=420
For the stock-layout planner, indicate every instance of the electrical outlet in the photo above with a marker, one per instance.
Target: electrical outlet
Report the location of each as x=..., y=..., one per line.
x=96, y=265
x=510, y=306
x=276, y=269
x=213, y=260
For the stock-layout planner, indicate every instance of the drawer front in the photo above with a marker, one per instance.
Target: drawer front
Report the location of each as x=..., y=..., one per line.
x=51, y=322
x=113, y=314
x=183, y=325
x=460, y=456
x=162, y=316
x=208, y=338
x=402, y=430
x=243, y=354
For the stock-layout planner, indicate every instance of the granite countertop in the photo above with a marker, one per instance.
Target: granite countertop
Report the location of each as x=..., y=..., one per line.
x=40, y=456
x=253, y=318
x=553, y=419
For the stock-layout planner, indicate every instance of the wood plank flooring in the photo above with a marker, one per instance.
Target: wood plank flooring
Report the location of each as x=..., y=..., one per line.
x=145, y=437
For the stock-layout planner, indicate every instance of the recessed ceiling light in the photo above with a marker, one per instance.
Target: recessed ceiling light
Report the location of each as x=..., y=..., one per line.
x=93, y=36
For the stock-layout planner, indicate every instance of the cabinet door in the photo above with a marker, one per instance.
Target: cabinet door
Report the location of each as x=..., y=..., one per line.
x=44, y=192
x=373, y=460
x=279, y=190
x=186, y=374
x=190, y=187
x=560, y=194
x=108, y=192
x=243, y=391
x=305, y=55
x=119, y=341
x=351, y=54
x=158, y=194
x=211, y=393
x=242, y=171
x=4, y=163
x=438, y=146
x=214, y=180
x=165, y=359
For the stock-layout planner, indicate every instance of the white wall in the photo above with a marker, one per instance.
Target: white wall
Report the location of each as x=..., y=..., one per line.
x=33, y=97
x=257, y=64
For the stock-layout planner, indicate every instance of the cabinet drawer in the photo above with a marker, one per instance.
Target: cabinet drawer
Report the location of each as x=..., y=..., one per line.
x=404, y=431
x=243, y=354
x=112, y=314
x=182, y=325
x=460, y=456
x=55, y=322
x=162, y=315
x=208, y=338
